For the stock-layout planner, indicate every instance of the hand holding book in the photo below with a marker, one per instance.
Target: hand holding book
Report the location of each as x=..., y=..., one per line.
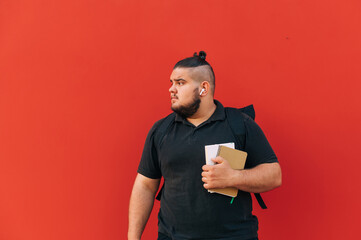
x=217, y=175
x=216, y=178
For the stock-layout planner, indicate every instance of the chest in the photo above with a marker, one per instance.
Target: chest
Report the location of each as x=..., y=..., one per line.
x=182, y=152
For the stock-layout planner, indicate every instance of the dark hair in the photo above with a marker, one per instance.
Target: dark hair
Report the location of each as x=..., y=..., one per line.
x=196, y=61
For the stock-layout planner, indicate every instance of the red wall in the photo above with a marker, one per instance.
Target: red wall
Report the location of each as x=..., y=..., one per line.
x=82, y=82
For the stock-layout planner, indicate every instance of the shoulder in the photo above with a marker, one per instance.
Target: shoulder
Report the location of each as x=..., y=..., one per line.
x=159, y=129
x=162, y=125
x=164, y=121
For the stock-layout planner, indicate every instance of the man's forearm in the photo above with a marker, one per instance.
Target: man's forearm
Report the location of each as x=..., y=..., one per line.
x=261, y=178
x=140, y=207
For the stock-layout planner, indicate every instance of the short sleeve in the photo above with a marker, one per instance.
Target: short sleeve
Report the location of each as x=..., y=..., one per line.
x=149, y=164
x=257, y=146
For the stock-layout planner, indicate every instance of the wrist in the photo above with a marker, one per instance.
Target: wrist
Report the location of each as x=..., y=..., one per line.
x=237, y=179
x=132, y=236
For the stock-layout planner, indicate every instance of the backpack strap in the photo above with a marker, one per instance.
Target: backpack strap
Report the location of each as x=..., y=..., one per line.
x=235, y=118
x=159, y=136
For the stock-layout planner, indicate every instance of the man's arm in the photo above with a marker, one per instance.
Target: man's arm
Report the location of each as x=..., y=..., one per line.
x=141, y=204
x=261, y=178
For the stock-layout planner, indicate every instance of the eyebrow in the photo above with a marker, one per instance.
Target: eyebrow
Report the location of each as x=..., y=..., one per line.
x=178, y=79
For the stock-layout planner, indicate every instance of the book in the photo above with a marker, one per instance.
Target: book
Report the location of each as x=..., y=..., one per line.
x=236, y=159
x=212, y=151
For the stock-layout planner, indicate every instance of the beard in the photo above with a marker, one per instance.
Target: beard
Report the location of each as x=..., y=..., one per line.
x=191, y=108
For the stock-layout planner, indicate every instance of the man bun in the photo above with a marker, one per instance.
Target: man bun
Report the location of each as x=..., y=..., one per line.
x=196, y=60
x=202, y=55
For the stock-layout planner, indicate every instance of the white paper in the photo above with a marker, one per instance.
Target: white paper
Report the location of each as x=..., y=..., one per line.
x=212, y=150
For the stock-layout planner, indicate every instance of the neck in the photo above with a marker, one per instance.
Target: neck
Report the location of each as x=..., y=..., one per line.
x=205, y=111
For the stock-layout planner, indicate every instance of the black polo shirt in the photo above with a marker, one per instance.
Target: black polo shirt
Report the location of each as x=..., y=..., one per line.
x=188, y=210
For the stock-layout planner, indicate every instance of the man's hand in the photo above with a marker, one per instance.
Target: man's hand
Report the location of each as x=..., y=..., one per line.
x=264, y=177
x=218, y=176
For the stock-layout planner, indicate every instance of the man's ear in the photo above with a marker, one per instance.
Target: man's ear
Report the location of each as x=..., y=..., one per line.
x=205, y=88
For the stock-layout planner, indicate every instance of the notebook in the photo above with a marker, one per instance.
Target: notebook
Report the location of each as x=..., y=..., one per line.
x=236, y=159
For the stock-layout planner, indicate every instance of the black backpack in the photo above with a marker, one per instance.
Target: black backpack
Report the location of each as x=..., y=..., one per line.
x=235, y=119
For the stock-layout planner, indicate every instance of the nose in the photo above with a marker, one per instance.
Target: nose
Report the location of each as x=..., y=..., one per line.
x=172, y=89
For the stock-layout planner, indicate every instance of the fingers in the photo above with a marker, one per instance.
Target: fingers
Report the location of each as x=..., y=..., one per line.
x=206, y=167
x=208, y=172
x=218, y=160
x=207, y=179
x=206, y=186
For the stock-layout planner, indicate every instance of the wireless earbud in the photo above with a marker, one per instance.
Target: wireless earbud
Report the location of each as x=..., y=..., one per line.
x=201, y=91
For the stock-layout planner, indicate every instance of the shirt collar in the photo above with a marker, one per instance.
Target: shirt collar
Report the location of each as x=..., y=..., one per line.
x=217, y=115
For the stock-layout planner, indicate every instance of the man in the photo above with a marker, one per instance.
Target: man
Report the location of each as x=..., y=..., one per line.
x=176, y=153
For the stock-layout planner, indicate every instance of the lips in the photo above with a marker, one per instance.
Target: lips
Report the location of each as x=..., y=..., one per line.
x=173, y=99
